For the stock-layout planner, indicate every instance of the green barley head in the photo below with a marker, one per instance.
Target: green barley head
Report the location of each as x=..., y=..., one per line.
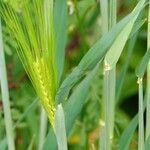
x=33, y=29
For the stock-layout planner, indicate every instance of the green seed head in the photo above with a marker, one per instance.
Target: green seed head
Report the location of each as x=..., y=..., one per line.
x=33, y=30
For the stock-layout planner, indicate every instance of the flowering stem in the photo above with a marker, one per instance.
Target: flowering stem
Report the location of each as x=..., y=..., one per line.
x=5, y=96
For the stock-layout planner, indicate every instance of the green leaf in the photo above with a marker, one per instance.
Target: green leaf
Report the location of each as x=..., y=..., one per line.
x=5, y=96
x=118, y=46
x=31, y=107
x=138, y=24
x=76, y=101
x=147, y=143
x=72, y=108
x=60, y=17
x=128, y=134
x=49, y=140
x=141, y=68
x=3, y=144
x=121, y=77
x=60, y=130
x=98, y=51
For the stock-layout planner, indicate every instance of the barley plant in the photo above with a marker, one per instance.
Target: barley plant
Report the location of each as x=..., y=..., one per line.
x=75, y=74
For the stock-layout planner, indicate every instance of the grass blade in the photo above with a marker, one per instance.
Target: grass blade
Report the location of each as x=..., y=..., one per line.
x=147, y=143
x=43, y=128
x=5, y=96
x=76, y=101
x=104, y=16
x=148, y=82
x=121, y=40
x=109, y=87
x=128, y=134
x=138, y=24
x=31, y=107
x=121, y=77
x=141, y=117
x=3, y=144
x=60, y=12
x=72, y=108
x=60, y=129
x=140, y=70
x=104, y=5
x=97, y=52
x=50, y=137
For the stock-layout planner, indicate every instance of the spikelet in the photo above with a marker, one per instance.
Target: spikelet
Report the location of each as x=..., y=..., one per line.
x=32, y=28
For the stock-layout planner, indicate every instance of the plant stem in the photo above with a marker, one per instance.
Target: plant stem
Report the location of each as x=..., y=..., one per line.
x=110, y=86
x=43, y=128
x=108, y=13
x=141, y=118
x=104, y=16
x=148, y=83
x=5, y=96
x=104, y=28
x=112, y=13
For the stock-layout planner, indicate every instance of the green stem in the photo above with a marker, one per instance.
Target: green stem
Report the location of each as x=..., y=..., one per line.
x=141, y=118
x=104, y=28
x=43, y=128
x=104, y=16
x=148, y=83
x=112, y=13
x=110, y=85
x=109, y=20
x=5, y=96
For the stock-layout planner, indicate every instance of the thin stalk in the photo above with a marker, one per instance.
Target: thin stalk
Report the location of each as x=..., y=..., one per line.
x=109, y=15
x=148, y=83
x=112, y=13
x=104, y=16
x=110, y=85
x=43, y=128
x=104, y=28
x=5, y=96
x=141, y=117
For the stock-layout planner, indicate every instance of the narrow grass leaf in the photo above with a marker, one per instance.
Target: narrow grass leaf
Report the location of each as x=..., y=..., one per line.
x=76, y=101
x=141, y=68
x=121, y=77
x=72, y=108
x=138, y=24
x=60, y=18
x=51, y=138
x=147, y=143
x=43, y=128
x=3, y=144
x=117, y=47
x=5, y=96
x=140, y=117
x=98, y=51
x=104, y=15
x=148, y=81
x=30, y=108
x=31, y=145
x=60, y=129
x=127, y=135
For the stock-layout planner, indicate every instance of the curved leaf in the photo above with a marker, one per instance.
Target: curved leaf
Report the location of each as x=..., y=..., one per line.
x=98, y=51
x=141, y=68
